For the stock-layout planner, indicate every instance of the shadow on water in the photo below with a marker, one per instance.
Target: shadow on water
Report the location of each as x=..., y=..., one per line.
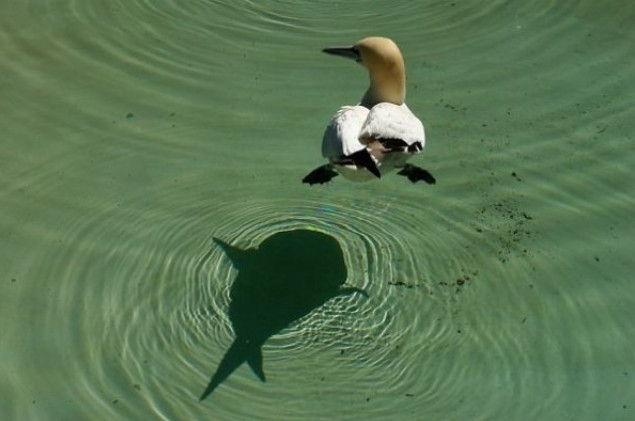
x=289, y=275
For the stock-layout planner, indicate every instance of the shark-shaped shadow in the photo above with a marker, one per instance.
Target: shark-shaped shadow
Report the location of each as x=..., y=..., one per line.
x=289, y=275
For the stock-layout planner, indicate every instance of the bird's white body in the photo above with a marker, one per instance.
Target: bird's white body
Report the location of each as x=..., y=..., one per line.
x=379, y=134
x=355, y=128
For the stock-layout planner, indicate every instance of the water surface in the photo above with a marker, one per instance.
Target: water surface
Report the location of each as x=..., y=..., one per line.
x=136, y=133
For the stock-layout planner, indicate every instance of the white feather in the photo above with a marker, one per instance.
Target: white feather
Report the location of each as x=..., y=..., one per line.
x=390, y=121
x=353, y=127
x=341, y=137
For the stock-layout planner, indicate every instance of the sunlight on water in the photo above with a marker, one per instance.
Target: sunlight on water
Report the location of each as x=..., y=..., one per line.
x=157, y=238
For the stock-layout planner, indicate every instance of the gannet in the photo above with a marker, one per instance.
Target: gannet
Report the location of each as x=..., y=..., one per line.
x=380, y=133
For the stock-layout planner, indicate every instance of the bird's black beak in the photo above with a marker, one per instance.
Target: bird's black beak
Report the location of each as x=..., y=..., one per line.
x=348, y=52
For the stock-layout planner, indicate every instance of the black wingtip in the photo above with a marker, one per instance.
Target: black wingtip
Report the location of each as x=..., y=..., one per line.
x=320, y=175
x=364, y=159
x=415, y=174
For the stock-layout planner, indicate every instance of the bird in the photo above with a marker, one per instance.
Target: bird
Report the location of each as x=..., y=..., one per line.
x=379, y=134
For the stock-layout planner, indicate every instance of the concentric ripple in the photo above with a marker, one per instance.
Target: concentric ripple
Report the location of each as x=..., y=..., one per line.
x=160, y=295
x=138, y=132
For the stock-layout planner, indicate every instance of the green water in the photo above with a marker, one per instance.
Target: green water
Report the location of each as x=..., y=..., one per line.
x=136, y=133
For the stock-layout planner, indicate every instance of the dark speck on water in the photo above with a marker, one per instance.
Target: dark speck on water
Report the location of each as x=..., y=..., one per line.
x=402, y=284
x=129, y=116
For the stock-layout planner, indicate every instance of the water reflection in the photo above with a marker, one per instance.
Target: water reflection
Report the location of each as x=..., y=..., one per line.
x=289, y=275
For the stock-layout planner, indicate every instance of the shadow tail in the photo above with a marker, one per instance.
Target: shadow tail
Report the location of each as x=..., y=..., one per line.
x=239, y=352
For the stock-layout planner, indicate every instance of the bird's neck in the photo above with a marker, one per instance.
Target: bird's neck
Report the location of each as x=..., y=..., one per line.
x=387, y=85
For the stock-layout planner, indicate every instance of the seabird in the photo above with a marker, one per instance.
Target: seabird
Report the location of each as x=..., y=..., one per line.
x=380, y=133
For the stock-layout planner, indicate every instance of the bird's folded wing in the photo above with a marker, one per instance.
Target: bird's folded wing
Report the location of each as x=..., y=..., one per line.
x=390, y=121
x=341, y=137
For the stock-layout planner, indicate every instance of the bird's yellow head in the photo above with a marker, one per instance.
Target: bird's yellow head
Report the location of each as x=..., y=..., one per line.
x=385, y=65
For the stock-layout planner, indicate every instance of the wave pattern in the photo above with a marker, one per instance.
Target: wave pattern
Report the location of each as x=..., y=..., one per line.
x=141, y=131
